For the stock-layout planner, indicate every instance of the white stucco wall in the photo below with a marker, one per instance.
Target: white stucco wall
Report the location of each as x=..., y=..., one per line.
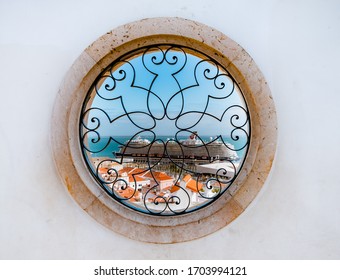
x=296, y=45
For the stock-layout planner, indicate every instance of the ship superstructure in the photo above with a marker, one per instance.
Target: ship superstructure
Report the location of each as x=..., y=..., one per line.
x=192, y=148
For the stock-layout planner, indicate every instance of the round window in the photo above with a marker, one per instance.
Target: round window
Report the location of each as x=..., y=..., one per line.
x=164, y=130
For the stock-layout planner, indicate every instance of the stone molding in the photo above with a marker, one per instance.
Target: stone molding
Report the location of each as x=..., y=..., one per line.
x=65, y=125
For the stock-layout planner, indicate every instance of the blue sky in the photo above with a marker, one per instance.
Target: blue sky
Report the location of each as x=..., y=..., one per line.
x=135, y=87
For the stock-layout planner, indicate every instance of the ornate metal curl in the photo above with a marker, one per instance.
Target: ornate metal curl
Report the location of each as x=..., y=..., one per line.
x=140, y=94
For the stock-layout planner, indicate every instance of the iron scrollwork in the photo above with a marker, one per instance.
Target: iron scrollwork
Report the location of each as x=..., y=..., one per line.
x=146, y=126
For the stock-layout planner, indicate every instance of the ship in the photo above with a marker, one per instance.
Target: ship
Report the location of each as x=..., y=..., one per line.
x=190, y=149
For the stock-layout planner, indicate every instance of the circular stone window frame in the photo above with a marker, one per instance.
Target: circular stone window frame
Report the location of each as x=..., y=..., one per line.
x=66, y=143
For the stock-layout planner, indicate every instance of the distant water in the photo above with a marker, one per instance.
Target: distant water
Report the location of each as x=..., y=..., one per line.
x=114, y=145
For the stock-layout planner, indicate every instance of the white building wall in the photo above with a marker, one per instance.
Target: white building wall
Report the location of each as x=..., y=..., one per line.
x=296, y=45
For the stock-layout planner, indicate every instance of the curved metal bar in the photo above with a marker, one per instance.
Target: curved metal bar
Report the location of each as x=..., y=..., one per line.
x=150, y=88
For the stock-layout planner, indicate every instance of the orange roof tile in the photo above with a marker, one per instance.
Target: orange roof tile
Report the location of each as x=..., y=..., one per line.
x=174, y=188
x=129, y=193
x=186, y=178
x=126, y=193
x=125, y=170
x=159, y=176
x=138, y=171
x=159, y=199
x=147, y=174
x=194, y=186
x=103, y=170
x=163, y=177
x=131, y=170
x=136, y=178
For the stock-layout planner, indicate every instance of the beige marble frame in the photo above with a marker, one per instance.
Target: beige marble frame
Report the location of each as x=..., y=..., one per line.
x=65, y=124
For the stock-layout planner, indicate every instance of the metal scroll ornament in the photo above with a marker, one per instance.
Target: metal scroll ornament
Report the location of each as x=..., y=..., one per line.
x=164, y=130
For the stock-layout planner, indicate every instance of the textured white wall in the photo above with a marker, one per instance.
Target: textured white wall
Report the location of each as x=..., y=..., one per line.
x=296, y=45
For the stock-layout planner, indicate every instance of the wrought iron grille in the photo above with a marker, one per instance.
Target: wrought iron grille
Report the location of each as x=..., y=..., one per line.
x=164, y=130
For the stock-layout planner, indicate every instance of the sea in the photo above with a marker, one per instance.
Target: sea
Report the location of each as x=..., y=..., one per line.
x=118, y=141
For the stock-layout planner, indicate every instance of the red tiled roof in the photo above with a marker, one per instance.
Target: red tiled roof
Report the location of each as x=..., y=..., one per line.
x=157, y=199
x=138, y=178
x=194, y=186
x=125, y=170
x=129, y=193
x=187, y=178
x=143, y=175
x=159, y=176
x=162, y=176
x=103, y=170
x=147, y=174
x=174, y=188
x=131, y=170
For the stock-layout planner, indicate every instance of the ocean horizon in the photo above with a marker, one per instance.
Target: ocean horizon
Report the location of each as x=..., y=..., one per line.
x=117, y=141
